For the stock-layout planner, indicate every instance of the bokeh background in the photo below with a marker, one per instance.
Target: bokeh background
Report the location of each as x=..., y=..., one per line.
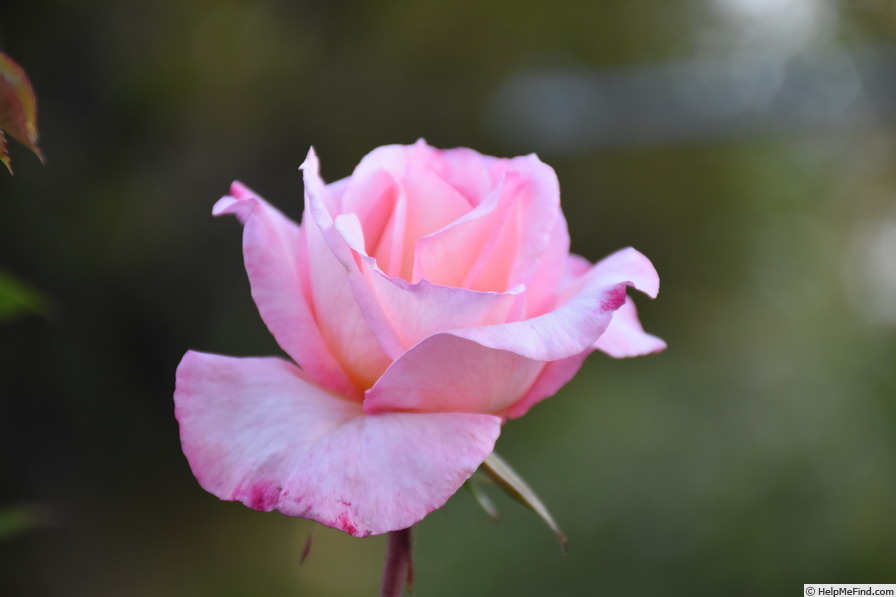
x=746, y=146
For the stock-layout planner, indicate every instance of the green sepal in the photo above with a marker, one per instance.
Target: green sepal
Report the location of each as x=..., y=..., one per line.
x=511, y=482
x=485, y=502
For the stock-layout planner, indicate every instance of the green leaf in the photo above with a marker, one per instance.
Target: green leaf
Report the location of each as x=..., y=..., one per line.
x=19, y=519
x=18, y=299
x=511, y=482
x=18, y=109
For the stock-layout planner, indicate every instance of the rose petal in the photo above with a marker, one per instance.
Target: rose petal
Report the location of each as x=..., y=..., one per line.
x=464, y=369
x=487, y=369
x=416, y=311
x=349, y=317
x=390, y=248
x=398, y=219
x=442, y=204
x=535, y=194
x=474, y=175
x=276, y=258
x=377, y=193
x=453, y=255
x=625, y=337
x=494, y=264
x=543, y=289
x=258, y=431
x=378, y=170
x=625, y=264
x=498, y=244
x=445, y=373
x=558, y=334
x=553, y=376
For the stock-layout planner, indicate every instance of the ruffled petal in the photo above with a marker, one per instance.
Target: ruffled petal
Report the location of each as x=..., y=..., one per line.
x=625, y=337
x=276, y=261
x=259, y=432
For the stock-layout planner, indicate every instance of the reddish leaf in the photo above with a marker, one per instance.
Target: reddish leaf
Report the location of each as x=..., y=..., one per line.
x=18, y=109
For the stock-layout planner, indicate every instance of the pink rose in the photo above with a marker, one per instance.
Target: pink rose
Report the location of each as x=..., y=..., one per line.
x=424, y=301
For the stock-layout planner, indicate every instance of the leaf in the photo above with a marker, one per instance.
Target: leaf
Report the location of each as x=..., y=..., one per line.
x=17, y=299
x=18, y=109
x=517, y=488
x=19, y=519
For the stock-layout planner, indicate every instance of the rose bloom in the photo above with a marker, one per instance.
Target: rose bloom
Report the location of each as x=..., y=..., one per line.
x=423, y=301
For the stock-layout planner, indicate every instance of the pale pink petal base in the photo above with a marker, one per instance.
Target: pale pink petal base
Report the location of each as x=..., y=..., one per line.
x=256, y=430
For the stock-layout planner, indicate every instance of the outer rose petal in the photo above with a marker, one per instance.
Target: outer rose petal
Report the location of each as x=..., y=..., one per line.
x=624, y=264
x=258, y=431
x=276, y=258
x=625, y=337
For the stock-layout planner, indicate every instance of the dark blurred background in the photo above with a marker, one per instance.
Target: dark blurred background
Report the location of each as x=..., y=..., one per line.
x=746, y=146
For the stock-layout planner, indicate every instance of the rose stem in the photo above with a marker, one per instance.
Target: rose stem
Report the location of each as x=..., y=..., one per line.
x=399, y=568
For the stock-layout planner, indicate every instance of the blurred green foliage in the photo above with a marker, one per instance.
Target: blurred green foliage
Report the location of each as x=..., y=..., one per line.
x=20, y=519
x=18, y=299
x=758, y=453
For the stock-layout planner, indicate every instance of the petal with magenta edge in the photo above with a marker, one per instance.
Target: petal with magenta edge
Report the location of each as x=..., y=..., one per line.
x=625, y=337
x=256, y=430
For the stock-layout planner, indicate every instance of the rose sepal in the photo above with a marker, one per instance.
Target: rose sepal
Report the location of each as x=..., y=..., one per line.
x=517, y=488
